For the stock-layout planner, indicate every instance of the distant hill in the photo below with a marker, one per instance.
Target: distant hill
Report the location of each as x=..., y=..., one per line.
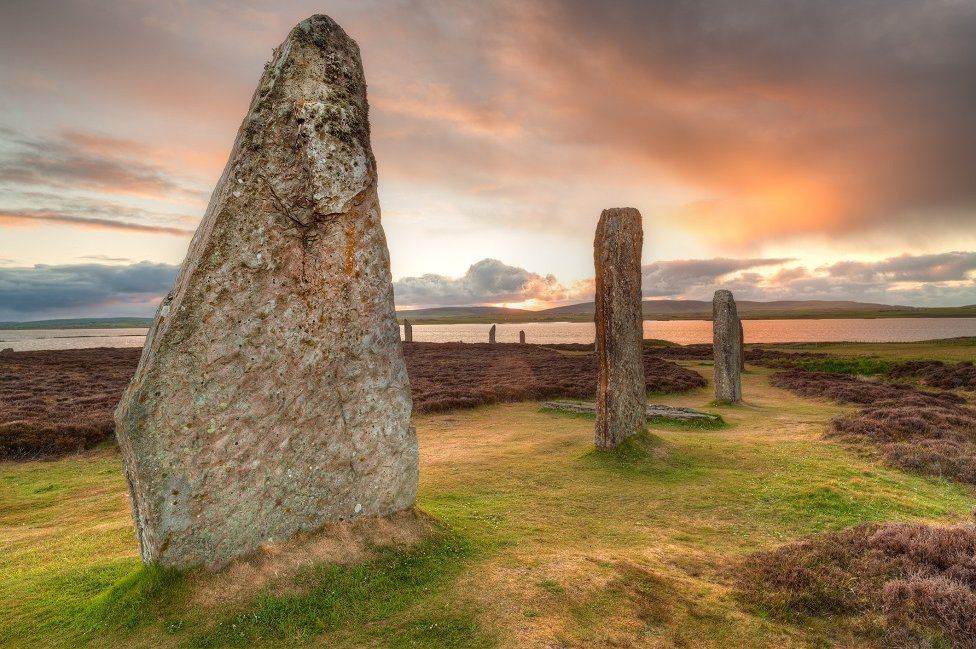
x=80, y=323
x=691, y=310
x=463, y=311
x=702, y=306
x=583, y=312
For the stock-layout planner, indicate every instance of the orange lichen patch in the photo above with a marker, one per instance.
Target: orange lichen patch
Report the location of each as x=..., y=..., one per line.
x=274, y=564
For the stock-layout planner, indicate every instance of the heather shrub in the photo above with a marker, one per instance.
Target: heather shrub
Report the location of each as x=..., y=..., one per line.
x=936, y=374
x=459, y=375
x=927, y=432
x=56, y=402
x=914, y=582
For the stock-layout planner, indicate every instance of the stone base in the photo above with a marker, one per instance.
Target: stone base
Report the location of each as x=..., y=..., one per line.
x=652, y=410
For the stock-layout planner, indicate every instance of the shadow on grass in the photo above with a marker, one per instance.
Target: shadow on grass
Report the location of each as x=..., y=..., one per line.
x=394, y=599
x=639, y=454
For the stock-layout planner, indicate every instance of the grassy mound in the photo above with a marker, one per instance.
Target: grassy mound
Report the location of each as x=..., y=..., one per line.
x=912, y=584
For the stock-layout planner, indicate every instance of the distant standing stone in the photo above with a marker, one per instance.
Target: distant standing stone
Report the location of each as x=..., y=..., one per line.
x=522, y=337
x=491, y=334
x=621, y=391
x=727, y=347
x=407, y=331
x=272, y=396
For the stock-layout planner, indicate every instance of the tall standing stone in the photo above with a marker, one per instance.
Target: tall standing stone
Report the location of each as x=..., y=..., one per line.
x=522, y=337
x=272, y=396
x=621, y=391
x=407, y=331
x=491, y=335
x=726, y=347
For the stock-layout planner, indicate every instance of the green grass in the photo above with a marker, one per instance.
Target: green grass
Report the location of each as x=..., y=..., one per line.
x=542, y=540
x=670, y=423
x=865, y=365
x=949, y=349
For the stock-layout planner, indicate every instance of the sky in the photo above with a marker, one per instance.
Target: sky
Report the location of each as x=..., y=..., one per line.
x=781, y=149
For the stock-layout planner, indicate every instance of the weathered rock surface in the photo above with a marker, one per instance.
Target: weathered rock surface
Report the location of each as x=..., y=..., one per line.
x=407, y=331
x=491, y=334
x=522, y=337
x=651, y=410
x=272, y=396
x=726, y=347
x=620, y=396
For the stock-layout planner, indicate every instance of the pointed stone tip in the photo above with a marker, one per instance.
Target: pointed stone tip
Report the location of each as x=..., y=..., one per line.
x=622, y=211
x=317, y=22
x=319, y=30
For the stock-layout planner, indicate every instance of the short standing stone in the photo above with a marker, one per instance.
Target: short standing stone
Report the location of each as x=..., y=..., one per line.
x=522, y=337
x=726, y=347
x=272, y=396
x=491, y=334
x=621, y=393
x=407, y=331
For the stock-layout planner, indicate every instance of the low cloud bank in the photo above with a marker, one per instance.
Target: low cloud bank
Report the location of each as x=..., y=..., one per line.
x=944, y=279
x=83, y=290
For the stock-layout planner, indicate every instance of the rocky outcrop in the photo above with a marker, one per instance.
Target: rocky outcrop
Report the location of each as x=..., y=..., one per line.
x=272, y=396
x=620, y=397
x=650, y=410
x=726, y=347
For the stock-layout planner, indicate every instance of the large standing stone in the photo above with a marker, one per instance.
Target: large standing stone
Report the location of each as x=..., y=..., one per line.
x=407, y=331
x=621, y=394
x=272, y=396
x=726, y=347
x=491, y=334
x=522, y=337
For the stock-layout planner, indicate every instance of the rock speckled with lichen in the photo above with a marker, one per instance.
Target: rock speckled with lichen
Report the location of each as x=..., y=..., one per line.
x=726, y=347
x=271, y=396
x=620, y=388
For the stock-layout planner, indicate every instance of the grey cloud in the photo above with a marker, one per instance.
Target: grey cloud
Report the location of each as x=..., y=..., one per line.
x=84, y=161
x=488, y=280
x=943, y=267
x=83, y=289
x=675, y=277
x=45, y=216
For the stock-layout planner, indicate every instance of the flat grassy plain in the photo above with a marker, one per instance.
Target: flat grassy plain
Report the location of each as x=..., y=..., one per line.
x=535, y=540
x=948, y=350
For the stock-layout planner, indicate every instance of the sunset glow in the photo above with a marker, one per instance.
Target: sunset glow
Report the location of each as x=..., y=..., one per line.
x=832, y=161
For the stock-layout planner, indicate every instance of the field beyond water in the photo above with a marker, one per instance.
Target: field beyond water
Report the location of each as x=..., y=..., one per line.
x=527, y=537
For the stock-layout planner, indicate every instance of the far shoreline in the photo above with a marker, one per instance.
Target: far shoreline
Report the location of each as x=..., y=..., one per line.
x=522, y=317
